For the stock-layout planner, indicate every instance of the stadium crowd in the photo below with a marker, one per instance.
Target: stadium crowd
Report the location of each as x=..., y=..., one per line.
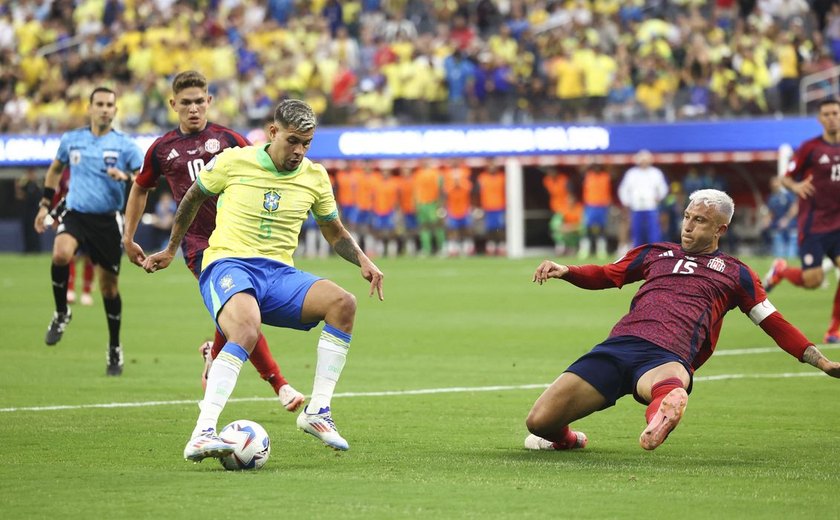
x=385, y=62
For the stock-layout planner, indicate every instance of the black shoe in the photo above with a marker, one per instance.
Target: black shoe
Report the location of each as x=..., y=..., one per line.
x=57, y=326
x=115, y=361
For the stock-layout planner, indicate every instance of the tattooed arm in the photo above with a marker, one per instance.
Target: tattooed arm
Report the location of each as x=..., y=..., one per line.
x=814, y=357
x=184, y=216
x=347, y=248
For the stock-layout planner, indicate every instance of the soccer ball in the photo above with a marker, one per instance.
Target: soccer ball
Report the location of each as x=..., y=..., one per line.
x=252, y=445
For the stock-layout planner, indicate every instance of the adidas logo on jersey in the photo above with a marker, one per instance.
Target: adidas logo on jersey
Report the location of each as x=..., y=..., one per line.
x=172, y=154
x=824, y=159
x=666, y=253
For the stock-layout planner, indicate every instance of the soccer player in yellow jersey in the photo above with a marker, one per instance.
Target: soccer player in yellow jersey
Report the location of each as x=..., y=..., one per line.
x=248, y=276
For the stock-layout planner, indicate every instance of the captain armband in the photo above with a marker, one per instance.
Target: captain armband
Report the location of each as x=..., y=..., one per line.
x=761, y=311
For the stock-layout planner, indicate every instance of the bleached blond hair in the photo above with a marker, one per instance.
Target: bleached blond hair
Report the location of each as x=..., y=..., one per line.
x=717, y=199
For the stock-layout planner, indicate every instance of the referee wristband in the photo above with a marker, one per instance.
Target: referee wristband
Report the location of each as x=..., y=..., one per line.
x=49, y=193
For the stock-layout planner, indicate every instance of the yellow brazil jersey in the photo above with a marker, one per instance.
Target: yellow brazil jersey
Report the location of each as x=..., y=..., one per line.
x=260, y=209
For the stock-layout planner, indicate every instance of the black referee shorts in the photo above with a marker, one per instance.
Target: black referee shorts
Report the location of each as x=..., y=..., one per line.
x=100, y=235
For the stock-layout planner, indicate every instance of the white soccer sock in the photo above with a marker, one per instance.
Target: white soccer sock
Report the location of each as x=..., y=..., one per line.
x=332, y=354
x=221, y=381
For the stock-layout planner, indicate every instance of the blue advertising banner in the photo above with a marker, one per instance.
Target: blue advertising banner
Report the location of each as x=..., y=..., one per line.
x=482, y=141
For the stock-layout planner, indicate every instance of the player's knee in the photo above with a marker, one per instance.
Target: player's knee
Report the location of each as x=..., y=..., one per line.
x=245, y=334
x=539, y=422
x=108, y=285
x=812, y=282
x=342, y=309
x=62, y=258
x=345, y=304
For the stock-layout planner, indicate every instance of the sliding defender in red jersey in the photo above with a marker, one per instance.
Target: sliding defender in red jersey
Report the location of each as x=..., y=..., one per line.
x=178, y=156
x=670, y=331
x=814, y=176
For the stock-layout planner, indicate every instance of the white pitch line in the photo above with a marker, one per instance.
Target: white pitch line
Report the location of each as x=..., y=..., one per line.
x=422, y=391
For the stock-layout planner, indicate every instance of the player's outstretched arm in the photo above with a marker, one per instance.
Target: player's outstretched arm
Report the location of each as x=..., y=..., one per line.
x=548, y=269
x=342, y=242
x=814, y=357
x=133, y=213
x=792, y=341
x=184, y=216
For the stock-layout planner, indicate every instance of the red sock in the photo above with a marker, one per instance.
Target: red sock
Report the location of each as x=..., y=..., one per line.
x=834, y=327
x=218, y=343
x=793, y=275
x=71, y=282
x=658, y=393
x=266, y=365
x=87, y=279
x=568, y=438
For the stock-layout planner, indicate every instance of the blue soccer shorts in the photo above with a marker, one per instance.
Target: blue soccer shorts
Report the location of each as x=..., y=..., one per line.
x=596, y=216
x=278, y=288
x=349, y=214
x=382, y=222
x=457, y=223
x=494, y=220
x=410, y=221
x=615, y=366
x=814, y=246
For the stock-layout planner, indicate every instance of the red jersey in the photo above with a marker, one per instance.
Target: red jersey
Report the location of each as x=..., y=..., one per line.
x=681, y=305
x=819, y=213
x=179, y=157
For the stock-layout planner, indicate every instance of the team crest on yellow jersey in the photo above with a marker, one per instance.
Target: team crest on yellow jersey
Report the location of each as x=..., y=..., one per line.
x=271, y=201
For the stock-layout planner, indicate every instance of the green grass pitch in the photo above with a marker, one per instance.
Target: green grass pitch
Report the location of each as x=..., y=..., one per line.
x=433, y=400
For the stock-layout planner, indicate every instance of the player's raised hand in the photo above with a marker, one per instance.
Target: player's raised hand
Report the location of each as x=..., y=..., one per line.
x=158, y=261
x=134, y=252
x=548, y=269
x=372, y=274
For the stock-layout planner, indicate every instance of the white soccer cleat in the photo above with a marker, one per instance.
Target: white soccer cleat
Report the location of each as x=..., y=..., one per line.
x=533, y=442
x=87, y=299
x=290, y=398
x=207, y=444
x=321, y=425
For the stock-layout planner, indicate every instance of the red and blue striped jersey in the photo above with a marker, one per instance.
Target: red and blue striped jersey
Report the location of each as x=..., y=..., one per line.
x=681, y=305
x=179, y=157
x=819, y=213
